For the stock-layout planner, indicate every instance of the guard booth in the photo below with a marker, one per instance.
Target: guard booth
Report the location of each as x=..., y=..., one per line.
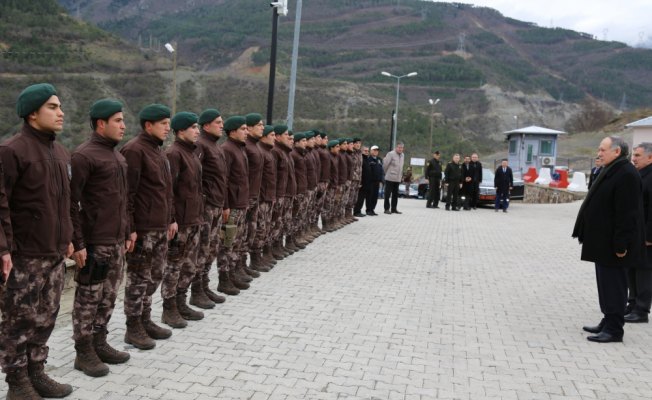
x=532, y=147
x=641, y=130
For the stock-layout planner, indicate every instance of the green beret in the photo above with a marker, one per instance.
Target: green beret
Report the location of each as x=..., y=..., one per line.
x=154, y=112
x=268, y=129
x=253, y=118
x=343, y=140
x=333, y=143
x=299, y=136
x=280, y=129
x=309, y=134
x=183, y=120
x=322, y=134
x=33, y=97
x=105, y=108
x=356, y=139
x=233, y=123
x=207, y=116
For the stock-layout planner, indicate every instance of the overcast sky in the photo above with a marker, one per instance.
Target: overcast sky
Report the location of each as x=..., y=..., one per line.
x=625, y=21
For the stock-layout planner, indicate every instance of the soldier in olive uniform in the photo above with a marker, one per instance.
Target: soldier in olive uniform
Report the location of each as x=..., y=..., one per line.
x=150, y=212
x=181, y=267
x=453, y=178
x=37, y=190
x=99, y=216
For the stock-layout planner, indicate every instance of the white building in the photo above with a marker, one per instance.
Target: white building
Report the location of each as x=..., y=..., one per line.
x=642, y=130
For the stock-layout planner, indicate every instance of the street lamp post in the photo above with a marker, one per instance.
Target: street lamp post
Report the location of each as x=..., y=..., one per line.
x=398, y=86
x=432, y=123
x=172, y=50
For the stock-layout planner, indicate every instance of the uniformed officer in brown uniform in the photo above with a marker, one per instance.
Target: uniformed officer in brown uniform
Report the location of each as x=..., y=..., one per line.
x=321, y=143
x=329, y=217
x=214, y=188
x=294, y=241
x=237, y=199
x=255, y=129
x=181, y=267
x=310, y=230
x=99, y=216
x=267, y=200
x=37, y=185
x=150, y=213
x=281, y=151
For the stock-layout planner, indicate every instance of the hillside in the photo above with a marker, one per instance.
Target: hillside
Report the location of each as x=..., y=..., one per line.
x=486, y=68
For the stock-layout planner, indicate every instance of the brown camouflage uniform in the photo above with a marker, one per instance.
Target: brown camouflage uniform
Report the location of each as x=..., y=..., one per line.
x=278, y=217
x=145, y=271
x=182, y=262
x=94, y=303
x=209, y=242
x=251, y=226
x=298, y=213
x=264, y=231
x=228, y=256
x=30, y=304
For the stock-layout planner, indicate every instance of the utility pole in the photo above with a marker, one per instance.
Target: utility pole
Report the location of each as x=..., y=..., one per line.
x=293, y=71
x=279, y=8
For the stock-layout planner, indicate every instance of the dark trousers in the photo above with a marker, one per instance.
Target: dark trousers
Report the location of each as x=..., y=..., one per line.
x=372, y=196
x=362, y=195
x=467, y=191
x=434, y=193
x=639, y=281
x=474, y=194
x=391, y=190
x=502, y=200
x=453, y=196
x=612, y=294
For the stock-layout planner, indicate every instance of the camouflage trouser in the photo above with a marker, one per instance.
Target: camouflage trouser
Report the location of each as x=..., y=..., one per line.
x=145, y=267
x=264, y=229
x=181, y=267
x=329, y=203
x=30, y=304
x=339, y=199
x=287, y=216
x=209, y=242
x=353, y=194
x=251, y=224
x=298, y=213
x=311, y=210
x=94, y=303
x=228, y=257
x=278, y=213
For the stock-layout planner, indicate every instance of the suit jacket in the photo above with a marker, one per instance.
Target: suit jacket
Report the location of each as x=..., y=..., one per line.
x=503, y=180
x=612, y=218
x=646, y=176
x=595, y=171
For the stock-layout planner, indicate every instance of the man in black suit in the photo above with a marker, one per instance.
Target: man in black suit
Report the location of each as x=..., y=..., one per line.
x=433, y=174
x=476, y=179
x=377, y=175
x=503, y=183
x=453, y=179
x=640, y=277
x=595, y=171
x=610, y=228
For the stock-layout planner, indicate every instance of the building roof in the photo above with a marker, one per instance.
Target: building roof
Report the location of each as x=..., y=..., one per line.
x=641, y=122
x=535, y=130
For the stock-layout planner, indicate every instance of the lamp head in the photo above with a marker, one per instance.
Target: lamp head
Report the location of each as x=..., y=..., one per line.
x=386, y=73
x=412, y=74
x=169, y=47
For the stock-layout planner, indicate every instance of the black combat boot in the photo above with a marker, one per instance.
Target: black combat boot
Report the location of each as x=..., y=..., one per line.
x=105, y=352
x=197, y=296
x=226, y=286
x=136, y=335
x=44, y=385
x=19, y=386
x=171, y=315
x=186, y=312
x=87, y=360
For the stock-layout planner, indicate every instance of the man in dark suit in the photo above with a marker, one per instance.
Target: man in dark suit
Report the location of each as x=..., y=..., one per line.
x=610, y=228
x=433, y=174
x=476, y=179
x=640, y=277
x=453, y=179
x=595, y=171
x=503, y=183
x=376, y=177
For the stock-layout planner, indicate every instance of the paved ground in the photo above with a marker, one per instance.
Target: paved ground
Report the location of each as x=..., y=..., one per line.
x=426, y=305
